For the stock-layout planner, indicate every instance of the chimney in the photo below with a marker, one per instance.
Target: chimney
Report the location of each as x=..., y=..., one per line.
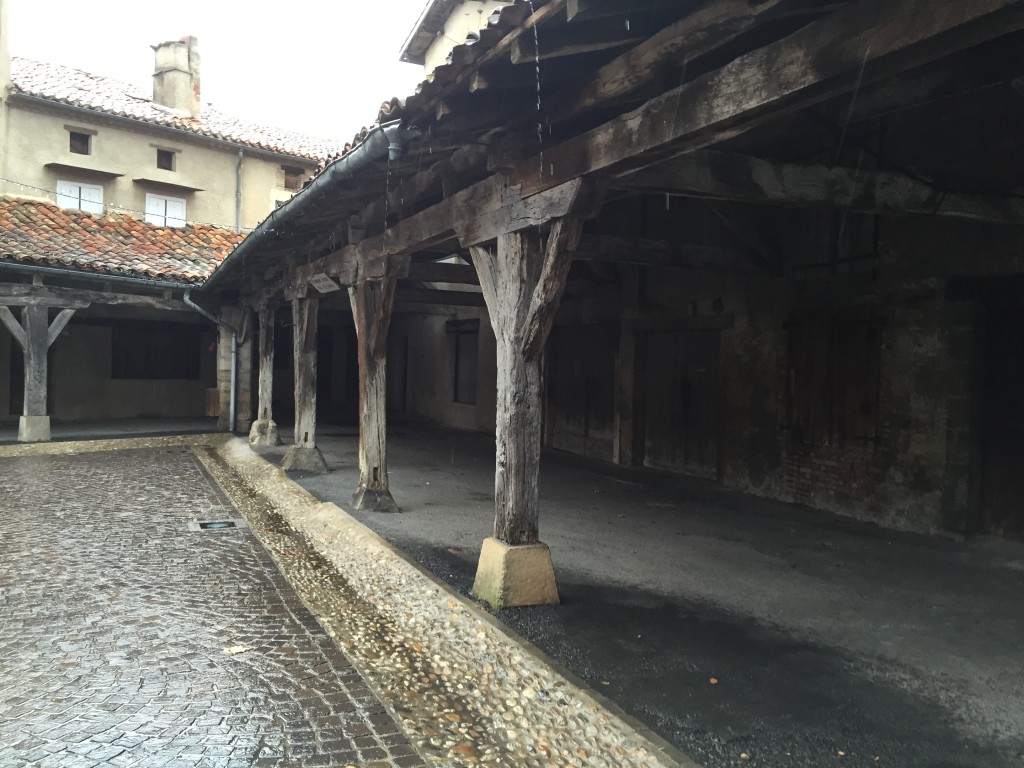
x=176, y=75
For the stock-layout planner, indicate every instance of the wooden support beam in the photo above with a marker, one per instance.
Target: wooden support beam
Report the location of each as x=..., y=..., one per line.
x=12, y=325
x=584, y=10
x=725, y=176
x=522, y=282
x=58, y=325
x=578, y=198
x=264, y=429
x=859, y=44
x=708, y=27
x=436, y=272
x=22, y=294
x=447, y=298
x=34, y=425
x=576, y=40
x=303, y=454
x=304, y=327
x=372, y=300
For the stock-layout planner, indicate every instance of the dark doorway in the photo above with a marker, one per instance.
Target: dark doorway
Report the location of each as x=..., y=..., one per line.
x=682, y=401
x=1002, y=453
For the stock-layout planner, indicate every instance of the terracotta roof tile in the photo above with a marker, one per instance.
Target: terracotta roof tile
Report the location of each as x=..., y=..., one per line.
x=65, y=85
x=38, y=232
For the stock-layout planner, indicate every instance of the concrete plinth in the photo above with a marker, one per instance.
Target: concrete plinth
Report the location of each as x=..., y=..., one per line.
x=34, y=429
x=299, y=458
x=374, y=501
x=264, y=432
x=509, y=576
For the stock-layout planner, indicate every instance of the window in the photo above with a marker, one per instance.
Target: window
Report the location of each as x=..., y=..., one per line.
x=292, y=177
x=165, y=211
x=83, y=197
x=833, y=377
x=165, y=159
x=80, y=143
x=467, y=342
x=152, y=350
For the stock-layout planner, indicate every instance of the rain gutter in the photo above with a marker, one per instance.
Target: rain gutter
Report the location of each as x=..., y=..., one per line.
x=75, y=274
x=385, y=140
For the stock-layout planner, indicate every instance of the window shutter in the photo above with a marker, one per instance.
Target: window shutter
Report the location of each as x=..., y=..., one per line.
x=175, y=212
x=156, y=211
x=68, y=194
x=92, y=198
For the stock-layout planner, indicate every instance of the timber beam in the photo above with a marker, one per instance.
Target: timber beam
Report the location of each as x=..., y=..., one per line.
x=264, y=429
x=859, y=44
x=725, y=176
x=438, y=272
x=372, y=299
x=23, y=294
x=304, y=454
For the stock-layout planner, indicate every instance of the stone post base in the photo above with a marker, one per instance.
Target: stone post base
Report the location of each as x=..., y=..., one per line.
x=264, y=432
x=299, y=458
x=374, y=501
x=509, y=576
x=34, y=429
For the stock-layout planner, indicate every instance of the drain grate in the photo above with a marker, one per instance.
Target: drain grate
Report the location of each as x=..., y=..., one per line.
x=232, y=523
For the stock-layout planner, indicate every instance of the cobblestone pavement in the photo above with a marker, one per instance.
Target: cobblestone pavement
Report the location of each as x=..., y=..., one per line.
x=115, y=620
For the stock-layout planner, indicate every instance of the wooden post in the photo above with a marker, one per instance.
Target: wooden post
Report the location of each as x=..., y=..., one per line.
x=522, y=282
x=35, y=334
x=303, y=454
x=372, y=299
x=35, y=422
x=264, y=429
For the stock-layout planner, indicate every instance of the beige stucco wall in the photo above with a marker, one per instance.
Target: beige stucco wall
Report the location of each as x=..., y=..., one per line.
x=430, y=371
x=468, y=16
x=34, y=139
x=83, y=387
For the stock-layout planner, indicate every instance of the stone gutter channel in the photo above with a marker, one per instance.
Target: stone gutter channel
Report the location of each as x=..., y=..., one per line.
x=467, y=690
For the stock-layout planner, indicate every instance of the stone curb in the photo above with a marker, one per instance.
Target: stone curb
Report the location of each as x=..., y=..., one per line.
x=70, y=447
x=585, y=726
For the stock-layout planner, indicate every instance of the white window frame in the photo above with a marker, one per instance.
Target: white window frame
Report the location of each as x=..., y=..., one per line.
x=158, y=210
x=74, y=195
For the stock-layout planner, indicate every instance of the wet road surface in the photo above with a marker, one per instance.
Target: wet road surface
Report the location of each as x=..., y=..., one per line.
x=116, y=619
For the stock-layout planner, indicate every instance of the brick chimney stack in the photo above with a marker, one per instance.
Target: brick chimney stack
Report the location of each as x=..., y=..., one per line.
x=176, y=75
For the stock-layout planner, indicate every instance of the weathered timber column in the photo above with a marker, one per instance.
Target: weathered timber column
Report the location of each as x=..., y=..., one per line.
x=264, y=429
x=372, y=299
x=303, y=454
x=35, y=335
x=522, y=283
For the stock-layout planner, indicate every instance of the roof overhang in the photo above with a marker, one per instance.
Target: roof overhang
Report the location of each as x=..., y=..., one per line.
x=428, y=26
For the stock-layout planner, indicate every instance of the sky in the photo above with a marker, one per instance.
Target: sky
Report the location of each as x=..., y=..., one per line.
x=322, y=68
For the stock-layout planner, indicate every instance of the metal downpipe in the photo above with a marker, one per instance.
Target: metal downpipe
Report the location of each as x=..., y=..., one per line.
x=233, y=395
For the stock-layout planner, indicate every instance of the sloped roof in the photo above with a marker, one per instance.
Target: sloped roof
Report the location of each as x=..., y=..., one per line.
x=66, y=85
x=38, y=232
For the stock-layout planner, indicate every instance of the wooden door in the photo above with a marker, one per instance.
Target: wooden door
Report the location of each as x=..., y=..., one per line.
x=581, y=389
x=681, y=431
